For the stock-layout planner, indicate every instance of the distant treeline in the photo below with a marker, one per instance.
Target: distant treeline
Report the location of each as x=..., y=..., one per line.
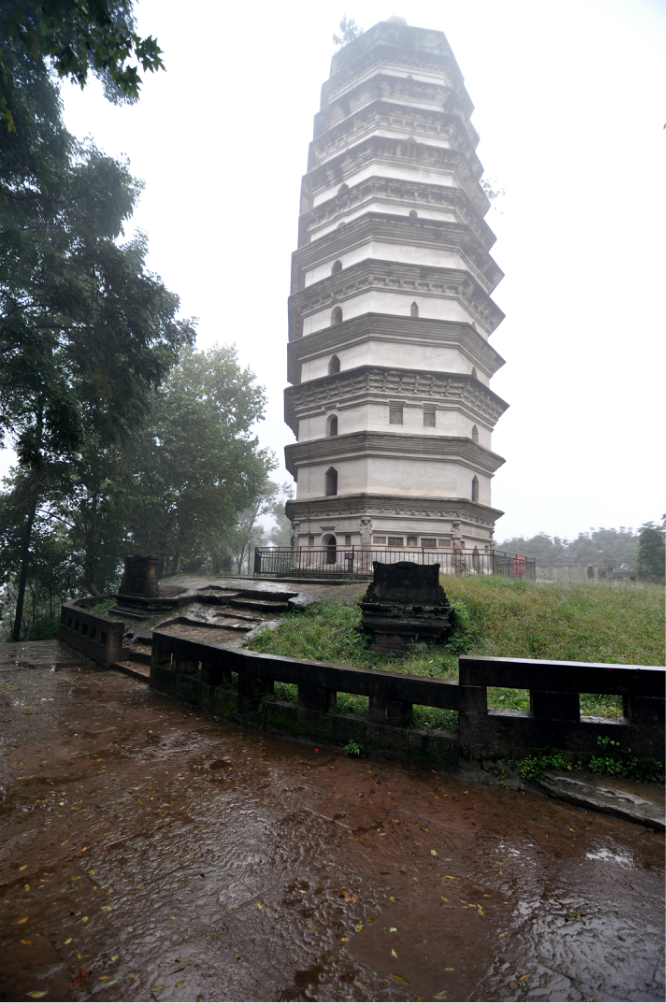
x=641, y=549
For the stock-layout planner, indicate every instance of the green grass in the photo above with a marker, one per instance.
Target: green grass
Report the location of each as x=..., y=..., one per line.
x=567, y=621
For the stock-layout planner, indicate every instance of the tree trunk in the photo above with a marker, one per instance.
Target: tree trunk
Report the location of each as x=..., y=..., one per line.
x=176, y=564
x=23, y=577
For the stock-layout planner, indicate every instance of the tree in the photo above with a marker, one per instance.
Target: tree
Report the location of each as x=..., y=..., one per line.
x=650, y=555
x=86, y=333
x=75, y=37
x=349, y=30
x=198, y=463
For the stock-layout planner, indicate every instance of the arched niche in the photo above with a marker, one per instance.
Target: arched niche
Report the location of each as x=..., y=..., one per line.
x=336, y=267
x=475, y=488
x=331, y=481
x=332, y=425
x=336, y=316
x=333, y=365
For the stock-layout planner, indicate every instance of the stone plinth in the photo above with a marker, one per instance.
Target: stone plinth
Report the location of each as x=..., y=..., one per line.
x=405, y=605
x=140, y=577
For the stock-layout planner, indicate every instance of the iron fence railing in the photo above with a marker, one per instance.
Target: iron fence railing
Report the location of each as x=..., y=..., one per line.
x=335, y=559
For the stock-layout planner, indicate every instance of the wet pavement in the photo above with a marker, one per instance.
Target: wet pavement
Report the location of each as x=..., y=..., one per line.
x=149, y=853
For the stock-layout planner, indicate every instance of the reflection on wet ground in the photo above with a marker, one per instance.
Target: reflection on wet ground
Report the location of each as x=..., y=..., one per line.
x=149, y=853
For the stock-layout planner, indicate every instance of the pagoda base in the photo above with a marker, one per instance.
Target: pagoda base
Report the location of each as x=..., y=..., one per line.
x=371, y=519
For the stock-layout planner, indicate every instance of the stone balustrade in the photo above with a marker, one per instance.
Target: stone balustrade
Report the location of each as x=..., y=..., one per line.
x=239, y=685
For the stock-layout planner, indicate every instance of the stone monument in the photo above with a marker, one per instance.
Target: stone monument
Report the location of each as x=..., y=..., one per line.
x=405, y=605
x=390, y=312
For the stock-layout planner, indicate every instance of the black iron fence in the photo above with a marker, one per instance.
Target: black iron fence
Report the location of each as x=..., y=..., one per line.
x=357, y=560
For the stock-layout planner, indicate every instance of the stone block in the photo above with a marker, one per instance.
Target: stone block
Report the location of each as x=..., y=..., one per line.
x=315, y=698
x=550, y=705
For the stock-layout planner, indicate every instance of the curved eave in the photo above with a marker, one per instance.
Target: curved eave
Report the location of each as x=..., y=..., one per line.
x=412, y=386
x=395, y=328
x=399, y=446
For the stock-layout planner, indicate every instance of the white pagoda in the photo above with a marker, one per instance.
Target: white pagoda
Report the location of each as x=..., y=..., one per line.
x=390, y=311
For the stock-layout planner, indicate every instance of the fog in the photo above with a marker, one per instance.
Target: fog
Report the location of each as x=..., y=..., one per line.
x=569, y=107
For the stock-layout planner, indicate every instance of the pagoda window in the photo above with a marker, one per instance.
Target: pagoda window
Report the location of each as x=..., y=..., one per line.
x=475, y=434
x=334, y=365
x=336, y=316
x=414, y=310
x=475, y=489
x=413, y=213
x=344, y=187
x=474, y=375
x=331, y=481
x=395, y=413
x=429, y=415
x=333, y=425
x=336, y=267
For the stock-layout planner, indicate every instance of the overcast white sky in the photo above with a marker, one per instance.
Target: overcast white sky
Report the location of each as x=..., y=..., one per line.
x=569, y=106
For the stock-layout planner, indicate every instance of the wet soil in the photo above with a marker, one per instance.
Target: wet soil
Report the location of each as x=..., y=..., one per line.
x=149, y=853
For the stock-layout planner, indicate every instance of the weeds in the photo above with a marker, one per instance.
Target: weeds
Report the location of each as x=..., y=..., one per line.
x=353, y=748
x=618, y=762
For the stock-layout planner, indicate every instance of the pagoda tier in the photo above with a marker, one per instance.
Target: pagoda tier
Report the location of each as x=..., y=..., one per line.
x=390, y=309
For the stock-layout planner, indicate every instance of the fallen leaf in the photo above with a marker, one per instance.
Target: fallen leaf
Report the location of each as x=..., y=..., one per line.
x=81, y=977
x=156, y=989
x=442, y=995
x=399, y=978
x=37, y=994
x=434, y=853
x=26, y=942
x=181, y=983
x=343, y=939
x=348, y=897
x=84, y=919
x=448, y=969
x=393, y=929
x=22, y=867
x=523, y=977
x=259, y=905
x=450, y=877
x=69, y=940
x=393, y=953
x=24, y=920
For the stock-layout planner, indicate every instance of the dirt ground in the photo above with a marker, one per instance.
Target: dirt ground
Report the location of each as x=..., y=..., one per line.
x=149, y=853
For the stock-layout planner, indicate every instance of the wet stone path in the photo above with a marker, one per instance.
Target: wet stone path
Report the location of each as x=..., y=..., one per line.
x=149, y=853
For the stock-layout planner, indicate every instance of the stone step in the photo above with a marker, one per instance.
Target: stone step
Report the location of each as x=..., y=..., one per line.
x=260, y=605
x=141, y=653
x=137, y=670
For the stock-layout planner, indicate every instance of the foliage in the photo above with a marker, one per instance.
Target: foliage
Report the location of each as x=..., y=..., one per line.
x=349, y=30
x=352, y=748
x=617, y=762
x=534, y=766
x=197, y=463
x=237, y=543
x=75, y=37
x=86, y=333
x=595, y=547
x=650, y=553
